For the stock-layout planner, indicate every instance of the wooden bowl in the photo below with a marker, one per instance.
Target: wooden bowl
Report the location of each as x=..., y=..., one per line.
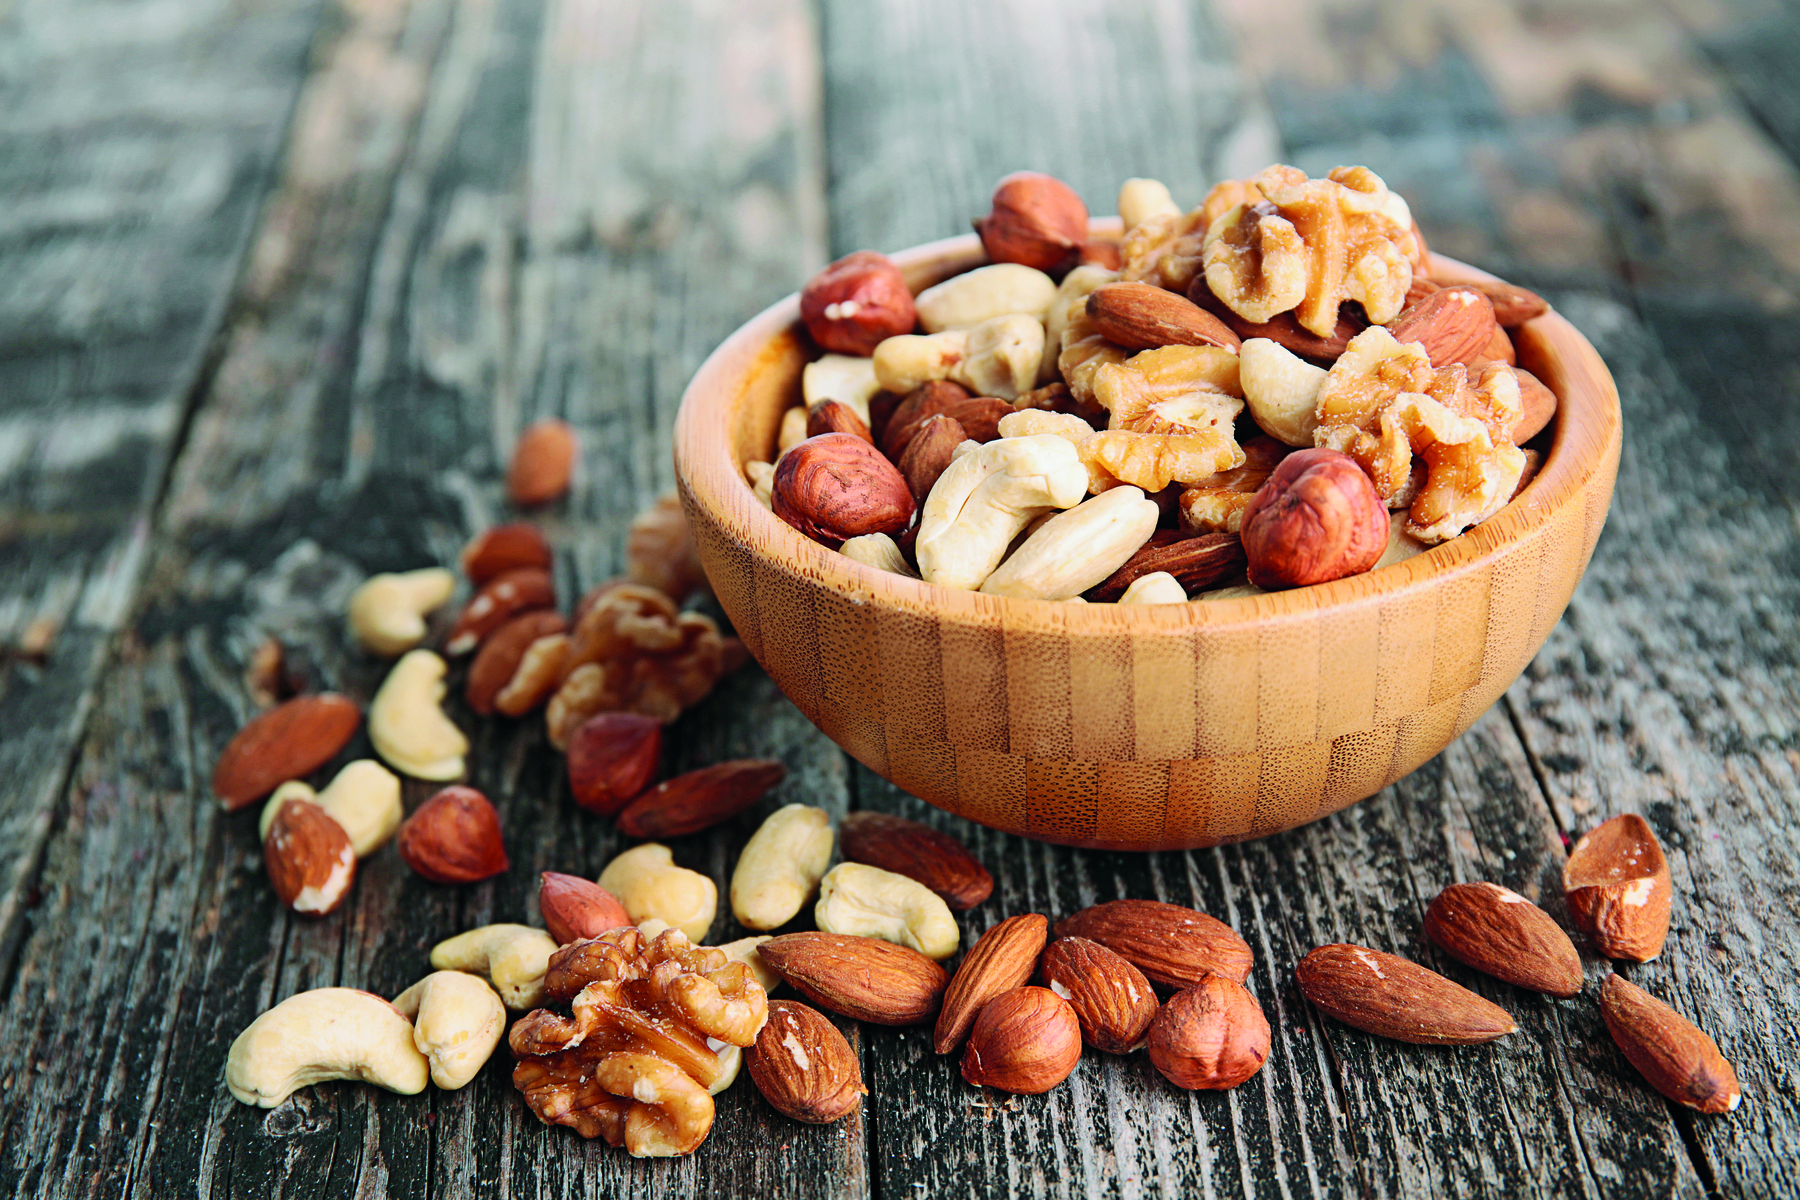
x=1127, y=727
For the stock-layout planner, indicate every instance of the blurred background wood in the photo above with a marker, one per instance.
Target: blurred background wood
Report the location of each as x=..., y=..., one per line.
x=283, y=279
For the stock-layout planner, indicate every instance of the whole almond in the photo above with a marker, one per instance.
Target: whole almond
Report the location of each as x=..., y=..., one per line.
x=500, y=600
x=1173, y=945
x=700, y=799
x=1617, y=886
x=1538, y=404
x=1670, y=1051
x=1387, y=995
x=917, y=851
x=1212, y=1036
x=928, y=453
x=613, y=757
x=1142, y=316
x=454, y=837
x=310, y=859
x=1024, y=1041
x=865, y=978
x=1196, y=562
x=1111, y=998
x=505, y=548
x=803, y=1066
x=1453, y=324
x=1001, y=960
x=834, y=416
x=1283, y=328
x=498, y=660
x=574, y=908
x=1498, y=348
x=289, y=741
x=1500, y=932
x=1513, y=305
x=543, y=461
x=978, y=416
x=918, y=406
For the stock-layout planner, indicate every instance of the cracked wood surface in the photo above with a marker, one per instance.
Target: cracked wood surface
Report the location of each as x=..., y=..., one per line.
x=286, y=277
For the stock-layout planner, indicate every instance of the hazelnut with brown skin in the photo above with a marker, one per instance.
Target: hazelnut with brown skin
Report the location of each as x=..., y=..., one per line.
x=1211, y=1036
x=1037, y=220
x=1318, y=518
x=836, y=486
x=1024, y=1041
x=855, y=303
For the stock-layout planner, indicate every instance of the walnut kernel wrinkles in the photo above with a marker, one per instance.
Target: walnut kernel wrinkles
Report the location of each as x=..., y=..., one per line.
x=1171, y=418
x=1216, y=504
x=1166, y=250
x=1084, y=351
x=659, y=551
x=632, y=1063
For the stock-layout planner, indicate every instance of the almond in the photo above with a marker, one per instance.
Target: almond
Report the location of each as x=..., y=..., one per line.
x=910, y=413
x=505, y=548
x=1538, y=404
x=1498, y=348
x=1024, y=1041
x=977, y=416
x=834, y=416
x=543, y=461
x=1513, y=305
x=1173, y=945
x=310, y=859
x=865, y=978
x=1453, y=324
x=1196, y=562
x=917, y=851
x=1670, y=1051
x=700, y=799
x=1003, y=959
x=928, y=453
x=1503, y=934
x=1212, y=1036
x=1112, y=1000
x=1283, y=328
x=289, y=741
x=1142, y=316
x=1617, y=886
x=454, y=837
x=613, y=757
x=803, y=1066
x=499, y=601
x=497, y=663
x=1387, y=995
x=574, y=908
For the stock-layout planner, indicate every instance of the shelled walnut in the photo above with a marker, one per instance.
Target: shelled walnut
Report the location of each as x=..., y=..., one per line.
x=1172, y=412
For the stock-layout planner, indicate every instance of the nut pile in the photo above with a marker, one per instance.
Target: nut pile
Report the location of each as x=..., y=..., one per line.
x=1225, y=400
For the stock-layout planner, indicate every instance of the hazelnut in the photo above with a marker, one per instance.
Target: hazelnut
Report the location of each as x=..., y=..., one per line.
x=613, y=757
x=1318, y=518
x=834, y=416
x=454, y=837
x=856, y=302
x=1212, y=1035
x=1036, y=219
x=836, y=486
x=1025, y=1041
x=574, y=908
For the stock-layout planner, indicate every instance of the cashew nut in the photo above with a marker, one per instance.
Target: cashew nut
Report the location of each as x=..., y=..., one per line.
x=387, y=613
x=511, y=957
x=780, y=866
x=649, y=884
x=762, y=482
x=408, y=728
x=330, y=1033
x=1028, y=422
x=364, y=799
x=1142, y=199
x=985, y=497
x=1074, y=550
x=880, y=551
x=1074, y=290
x=744, y=950
x=1004, y=355
x=793, y=429
x=906, y=362
x=867, y=901
x=1281, y=390
x=731, y=1058
x=1157, y=587
x=965, y=301
x=457, y=1022
x=845, y=378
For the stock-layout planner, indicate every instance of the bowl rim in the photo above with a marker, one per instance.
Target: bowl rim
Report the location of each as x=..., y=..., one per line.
x=1586, y=433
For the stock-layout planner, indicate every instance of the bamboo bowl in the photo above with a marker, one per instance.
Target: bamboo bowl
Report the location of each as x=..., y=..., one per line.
x=1126, y=727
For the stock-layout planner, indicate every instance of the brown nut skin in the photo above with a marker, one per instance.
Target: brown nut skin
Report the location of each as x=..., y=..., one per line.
x=1035, y=219
x=927, y=455
x=505, y=548
x=834, y=416
x=860, y=977
x=1001, y=960
x=542, y=463
x=1670, y=1051
x=498, y=659
x=1318, y=518
x=500, y=599
x=1502, y=934
x=1112, y=999
x=917, y=851
x=310, y=859
x=1537, y=405
x=613, y=757
x=1142, y=316
x=1025, y=1041
x=289, y=741
x=1212, y=1036
x=835, y=487
x=574, y=908
x=700, y=799
x=803, y=1066
x=454, y=837
x=857, y=302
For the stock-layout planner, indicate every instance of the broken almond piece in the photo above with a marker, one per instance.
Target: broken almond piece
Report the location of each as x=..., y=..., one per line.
x=1617, y=885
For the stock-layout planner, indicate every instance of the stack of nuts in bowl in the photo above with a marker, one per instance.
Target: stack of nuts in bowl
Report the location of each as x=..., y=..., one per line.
x=1229, y=399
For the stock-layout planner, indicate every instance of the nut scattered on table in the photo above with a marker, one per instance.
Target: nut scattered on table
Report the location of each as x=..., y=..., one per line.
x=457, y=1021
x=516, y=546
x=612, y=758
x=1210, y=1036
x=289, y=741
x=511, y=957
x=364, y=798
x=454, y=837
x=779, y=869
x=309, y=857
x=1175, y=946
x=861, y=977
x=700, y=799
x=543, y=462
x=869, y=902
x=1113, y=1001
x=1389, y=996
x=574, y=908
x=1001, y=959
x=1499, y=932
x=407, y=723
x=1671, y=1052
x=647, y=882
x=1617, y=886
x=324, y=1034
x=918, y=851
x=387, y=613
x=1025, y=1041
x=803, y=1066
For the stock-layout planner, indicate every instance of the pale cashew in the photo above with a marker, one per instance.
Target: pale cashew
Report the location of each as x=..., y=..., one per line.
x=780, y=866
x=511, y=957
x=1004, y=355
x=731, y=1058
x=1401, y=546
x=647, y=882
x=762, y=482
x=1157, y=587
x=1142, y=199
x=842, y=377
x=387, y=613
x=330, y=1033
x=1077, y=549
x=744, y=950
x=866, y=901
x=364, y=799
x=985, y=497
x=457, y=1022
x=650, y=927
x=880, y=551
x=965, y=301
x=905, y=363
x=408, y=728
x=1028, y=422
x=1281, y=390
x=1074, y=290
x=793, y=430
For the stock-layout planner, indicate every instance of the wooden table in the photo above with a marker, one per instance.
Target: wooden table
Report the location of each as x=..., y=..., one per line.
x=283, y=279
